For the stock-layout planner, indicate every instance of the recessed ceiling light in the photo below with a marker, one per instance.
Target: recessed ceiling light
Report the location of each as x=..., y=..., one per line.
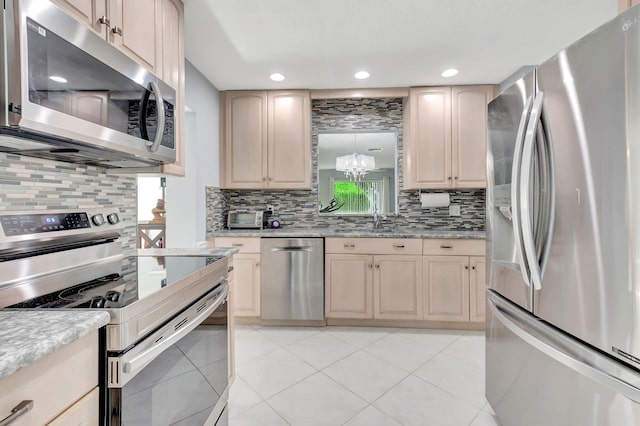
x=450, y=72
x=57, y=79
x=361, y=75
x=276, y=76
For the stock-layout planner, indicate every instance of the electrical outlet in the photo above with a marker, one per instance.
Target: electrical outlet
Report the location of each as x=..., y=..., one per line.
x=454, y=210
x=270, y=208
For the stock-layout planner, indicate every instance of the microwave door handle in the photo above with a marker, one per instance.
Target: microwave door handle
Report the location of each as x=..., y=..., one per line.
x=153, y=146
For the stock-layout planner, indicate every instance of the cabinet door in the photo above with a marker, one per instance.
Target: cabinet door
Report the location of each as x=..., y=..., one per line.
x=245, y=140
x=428, y=154
x=397, y=287
x=289, y=140
x=446, y=288
x=348, y=286
x=477, y=287
x=246, y=282
x=172, y=43
x=88, y=12
x=469, y=135
x=134, y=25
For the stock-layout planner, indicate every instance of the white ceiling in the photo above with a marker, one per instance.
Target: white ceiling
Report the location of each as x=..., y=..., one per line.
x=320, y=44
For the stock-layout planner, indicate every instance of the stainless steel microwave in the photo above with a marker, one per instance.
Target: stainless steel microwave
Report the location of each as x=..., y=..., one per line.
x=67, y=94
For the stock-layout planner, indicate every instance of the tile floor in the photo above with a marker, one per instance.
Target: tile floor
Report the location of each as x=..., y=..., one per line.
x=305, y=376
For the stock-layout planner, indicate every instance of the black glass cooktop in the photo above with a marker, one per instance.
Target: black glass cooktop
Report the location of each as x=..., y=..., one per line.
x=139, y=277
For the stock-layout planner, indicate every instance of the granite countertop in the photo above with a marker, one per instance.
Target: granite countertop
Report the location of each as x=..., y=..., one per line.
x=365, y=233
x=195, y=251
x=27, y=336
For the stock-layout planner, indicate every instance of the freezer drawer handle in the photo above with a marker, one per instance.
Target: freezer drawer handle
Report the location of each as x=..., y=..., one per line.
x=18, y=411
x=618, y=385
x=293, y=248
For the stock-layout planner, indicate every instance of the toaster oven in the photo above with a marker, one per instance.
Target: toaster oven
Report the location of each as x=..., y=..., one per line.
x=245, y=219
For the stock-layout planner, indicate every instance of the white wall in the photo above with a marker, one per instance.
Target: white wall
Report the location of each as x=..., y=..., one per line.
x=186, y=198
x=149, y=191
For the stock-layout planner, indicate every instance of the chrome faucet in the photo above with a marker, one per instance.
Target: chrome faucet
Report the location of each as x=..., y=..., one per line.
x=377, y=218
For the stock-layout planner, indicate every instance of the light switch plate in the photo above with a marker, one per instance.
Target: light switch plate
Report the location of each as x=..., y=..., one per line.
x=454, y=210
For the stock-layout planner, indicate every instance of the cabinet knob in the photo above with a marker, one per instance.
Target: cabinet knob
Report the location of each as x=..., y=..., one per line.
x=466, y=266
x=117, y=30
x=370, y=266
x=104, y=21
x=378, y=266
x=257, y=263
x=456, y=177
x=473, y=267
x=264, y=179
x=449, y=178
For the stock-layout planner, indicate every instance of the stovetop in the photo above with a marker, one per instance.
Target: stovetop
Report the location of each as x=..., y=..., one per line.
x=140, y=277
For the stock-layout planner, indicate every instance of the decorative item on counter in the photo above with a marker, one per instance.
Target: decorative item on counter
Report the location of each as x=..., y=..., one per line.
x=158, y=212
x=275, y=223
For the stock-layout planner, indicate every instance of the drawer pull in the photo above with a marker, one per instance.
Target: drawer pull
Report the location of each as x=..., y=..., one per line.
x=104, y=21
x=229, y=269
x=18, y=411
x=370, y=266
x=466, y=267
x=237, y=244
x=349, y=246
x=378, y=266
x=398, y=246
x=446, y=247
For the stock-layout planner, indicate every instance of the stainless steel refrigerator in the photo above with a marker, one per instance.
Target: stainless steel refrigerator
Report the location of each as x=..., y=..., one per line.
x=563, y=233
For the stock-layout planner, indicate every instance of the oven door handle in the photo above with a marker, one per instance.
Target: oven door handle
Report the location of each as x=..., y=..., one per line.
x=184, y=325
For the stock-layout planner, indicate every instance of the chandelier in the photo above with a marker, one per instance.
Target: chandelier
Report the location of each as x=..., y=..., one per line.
x=355, y=165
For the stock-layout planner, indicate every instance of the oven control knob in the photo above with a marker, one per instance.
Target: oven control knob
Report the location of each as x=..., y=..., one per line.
x=113, y=218
x=97, y=219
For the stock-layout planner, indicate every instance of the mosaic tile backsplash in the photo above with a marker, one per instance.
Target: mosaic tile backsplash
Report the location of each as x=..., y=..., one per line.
x=299, y=209
x=37, y=184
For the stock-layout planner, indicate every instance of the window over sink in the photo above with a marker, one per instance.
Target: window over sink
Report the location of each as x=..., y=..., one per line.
x=357, y=173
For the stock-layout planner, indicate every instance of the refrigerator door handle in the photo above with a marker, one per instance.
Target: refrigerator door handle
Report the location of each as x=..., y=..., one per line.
x=558, y=348
x=526, y=213
x=515, y=190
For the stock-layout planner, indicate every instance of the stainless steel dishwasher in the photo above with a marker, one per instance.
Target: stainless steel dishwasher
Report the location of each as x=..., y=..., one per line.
x=292, y=279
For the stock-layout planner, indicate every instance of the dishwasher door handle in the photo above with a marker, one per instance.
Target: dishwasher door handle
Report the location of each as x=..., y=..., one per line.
x=293, y=248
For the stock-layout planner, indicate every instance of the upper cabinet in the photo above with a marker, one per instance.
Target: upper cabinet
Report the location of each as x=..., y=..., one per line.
x=132, y=26
x=446, y=137
x=266, y=140
x=626, y=4
x=152, y=33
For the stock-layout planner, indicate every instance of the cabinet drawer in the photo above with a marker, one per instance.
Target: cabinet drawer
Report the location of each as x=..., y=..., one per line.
x=245, y=244
x=85, y=412
x=373, y=245
x=443, y=247
x=53, y=383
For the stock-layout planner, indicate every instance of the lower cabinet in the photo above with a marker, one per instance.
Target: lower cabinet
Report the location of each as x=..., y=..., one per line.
x=447, y=284
x=63, y=387
x=246, y=274
x=348, y=286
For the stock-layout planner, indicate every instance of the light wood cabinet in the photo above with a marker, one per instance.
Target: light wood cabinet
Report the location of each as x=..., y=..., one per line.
x=445, y=137
x=266, y=140
x=446, y=288
x=246, y=274
x=172, y=71
x=477, y=288
x=373, y=278
x=348, y=286
x=134, y=29
x=89, y=12
x=626, y=4
x=454, y=280
x=55, y=384
x=397, y=287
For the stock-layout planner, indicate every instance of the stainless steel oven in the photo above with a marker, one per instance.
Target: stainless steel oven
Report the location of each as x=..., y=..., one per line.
x=164, y=353
x=67, y=94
